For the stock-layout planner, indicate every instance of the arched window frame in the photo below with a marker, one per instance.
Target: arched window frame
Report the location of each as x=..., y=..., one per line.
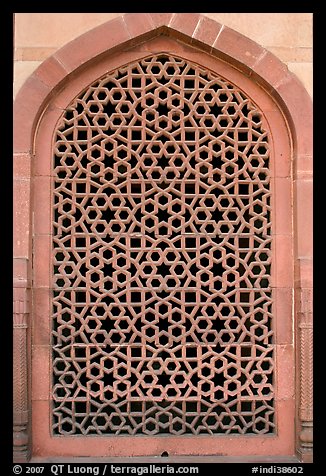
x=41, y=100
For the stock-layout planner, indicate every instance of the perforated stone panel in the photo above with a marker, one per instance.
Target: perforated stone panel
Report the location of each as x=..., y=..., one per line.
x=162, y=305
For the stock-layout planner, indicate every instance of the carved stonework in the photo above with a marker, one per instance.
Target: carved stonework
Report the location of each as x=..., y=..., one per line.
x=168, y=234
x=21, y=452
x=306, y=376
x=35, y=129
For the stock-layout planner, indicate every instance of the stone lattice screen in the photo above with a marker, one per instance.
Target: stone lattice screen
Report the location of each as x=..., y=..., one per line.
x=162, y=301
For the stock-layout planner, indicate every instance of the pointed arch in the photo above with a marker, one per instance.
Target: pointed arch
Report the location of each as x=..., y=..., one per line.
x=37, y=98
x=193, y=29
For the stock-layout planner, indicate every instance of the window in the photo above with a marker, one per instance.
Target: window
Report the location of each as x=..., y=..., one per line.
x=162, y=301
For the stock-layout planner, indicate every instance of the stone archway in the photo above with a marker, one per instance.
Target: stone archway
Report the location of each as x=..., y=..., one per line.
x=39, y=104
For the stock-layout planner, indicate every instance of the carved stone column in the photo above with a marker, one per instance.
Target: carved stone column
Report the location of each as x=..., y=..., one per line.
x=306, y=377
x=21, y=439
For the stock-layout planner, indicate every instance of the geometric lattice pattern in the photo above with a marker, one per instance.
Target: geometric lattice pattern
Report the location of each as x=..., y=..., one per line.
x=162, y=305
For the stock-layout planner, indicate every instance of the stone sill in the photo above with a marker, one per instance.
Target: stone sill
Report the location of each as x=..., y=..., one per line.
x=167, y=460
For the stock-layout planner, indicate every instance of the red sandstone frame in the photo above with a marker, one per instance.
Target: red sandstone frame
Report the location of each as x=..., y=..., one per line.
x=287, y=108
